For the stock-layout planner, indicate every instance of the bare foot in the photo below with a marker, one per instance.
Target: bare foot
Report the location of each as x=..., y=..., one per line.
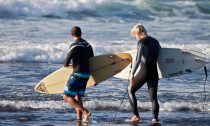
x=135, y=119
x=86, y=116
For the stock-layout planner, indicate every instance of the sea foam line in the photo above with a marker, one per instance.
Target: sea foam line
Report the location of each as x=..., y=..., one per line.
x=6, y=105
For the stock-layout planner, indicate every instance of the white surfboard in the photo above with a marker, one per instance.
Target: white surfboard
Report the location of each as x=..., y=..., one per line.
x=171, y=62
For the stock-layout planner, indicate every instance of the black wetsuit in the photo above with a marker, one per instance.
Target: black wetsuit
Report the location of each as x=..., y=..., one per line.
x=80, y=51
x=147, y=54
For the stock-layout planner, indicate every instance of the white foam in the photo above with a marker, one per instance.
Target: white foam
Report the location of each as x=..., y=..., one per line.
x=56, y=52
x=183, y=106
x=59, y=8
x=102, y=105
x=35, y=104
x=34, y=53
x=43, y=7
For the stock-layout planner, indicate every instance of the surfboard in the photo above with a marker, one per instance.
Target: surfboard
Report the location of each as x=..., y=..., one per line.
x=102, y=67
x=171, y=62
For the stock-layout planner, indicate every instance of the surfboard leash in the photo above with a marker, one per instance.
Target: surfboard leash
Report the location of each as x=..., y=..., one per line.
x=123, y=94
x=204, y=92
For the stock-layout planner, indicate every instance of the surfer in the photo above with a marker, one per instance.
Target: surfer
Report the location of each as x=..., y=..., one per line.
x=147, y=54
x=80, y=51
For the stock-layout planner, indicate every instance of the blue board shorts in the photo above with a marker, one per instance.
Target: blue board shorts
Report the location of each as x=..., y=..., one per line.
x=76, y=84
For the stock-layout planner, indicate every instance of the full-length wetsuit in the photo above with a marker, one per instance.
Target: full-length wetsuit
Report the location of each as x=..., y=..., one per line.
x=147, y=54
x=80, y=51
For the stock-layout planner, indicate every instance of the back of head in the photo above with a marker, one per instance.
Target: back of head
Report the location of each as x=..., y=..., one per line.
x=76, y=32
x=138, y=28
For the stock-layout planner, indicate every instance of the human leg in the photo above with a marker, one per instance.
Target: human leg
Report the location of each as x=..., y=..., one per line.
x=72, y=101
x=74, y=92
x=132, y=88
x=152, y=90
x=132, y=99
x=79, y=113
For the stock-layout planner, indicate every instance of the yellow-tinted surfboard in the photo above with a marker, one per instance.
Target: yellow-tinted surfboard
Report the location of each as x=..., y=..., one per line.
x=101, y=67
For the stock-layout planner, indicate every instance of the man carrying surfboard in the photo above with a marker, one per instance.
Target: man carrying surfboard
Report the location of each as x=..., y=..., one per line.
x=80, y=51
x=147, y=54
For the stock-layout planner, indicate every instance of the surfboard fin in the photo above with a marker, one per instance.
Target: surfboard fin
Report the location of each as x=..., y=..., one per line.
x=41, y=88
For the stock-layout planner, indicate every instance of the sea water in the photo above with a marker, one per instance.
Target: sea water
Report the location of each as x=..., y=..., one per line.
x=35, y=38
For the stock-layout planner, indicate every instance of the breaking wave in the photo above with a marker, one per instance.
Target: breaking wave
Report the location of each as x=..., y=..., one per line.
x=102, y=8
x=56, y=52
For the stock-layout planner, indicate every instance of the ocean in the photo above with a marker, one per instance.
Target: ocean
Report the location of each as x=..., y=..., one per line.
x=35, y=38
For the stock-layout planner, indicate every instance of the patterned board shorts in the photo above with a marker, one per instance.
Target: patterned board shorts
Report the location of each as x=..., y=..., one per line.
x=76, y=85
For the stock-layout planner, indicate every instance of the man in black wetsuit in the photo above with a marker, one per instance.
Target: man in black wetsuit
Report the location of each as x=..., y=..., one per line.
x=80, y=51
x=147, y=54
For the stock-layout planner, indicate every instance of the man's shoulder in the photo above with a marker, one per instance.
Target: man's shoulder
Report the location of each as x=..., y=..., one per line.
x=140, y=43
x=152, y=39
x=80, y=44
x=84, y=43
x=74, y=44
x=153, y=42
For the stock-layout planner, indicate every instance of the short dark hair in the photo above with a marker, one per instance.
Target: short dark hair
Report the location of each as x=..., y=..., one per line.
x=76, y=31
